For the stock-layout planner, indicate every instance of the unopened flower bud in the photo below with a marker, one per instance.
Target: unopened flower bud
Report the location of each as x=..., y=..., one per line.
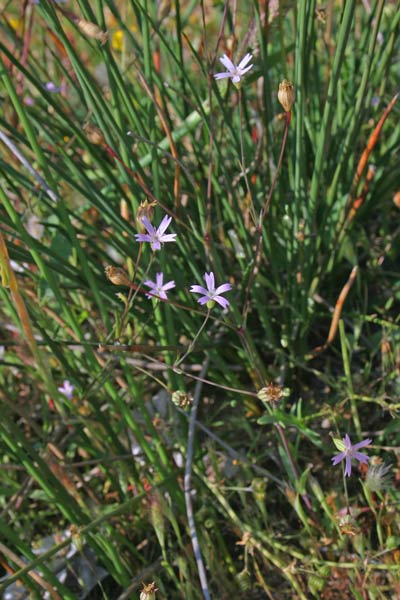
x=117, y=276
x=286, y=94
x=148, y=592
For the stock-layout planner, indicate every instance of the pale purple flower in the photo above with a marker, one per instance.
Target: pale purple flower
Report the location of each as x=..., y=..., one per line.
x=159, y=288
x=211, y=294
x=156, y=237
x=234, y=72
x=350, y=452
x=67, y=389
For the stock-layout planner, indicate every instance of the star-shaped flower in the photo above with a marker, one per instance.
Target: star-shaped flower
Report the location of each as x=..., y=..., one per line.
x=67, y=389
x=211, y=295
x=234, y=72
x=159, y=288
x=349, y=452
x=156, y=237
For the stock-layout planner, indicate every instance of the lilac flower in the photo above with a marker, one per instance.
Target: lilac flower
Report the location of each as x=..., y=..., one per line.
x=211, y=294
x=156, y=237
x=235, y=72
x=349, y=452
x=51, y=87
x=67, y=389
x=159, y=288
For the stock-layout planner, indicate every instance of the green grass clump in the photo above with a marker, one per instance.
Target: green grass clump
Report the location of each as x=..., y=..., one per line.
x=191, y=446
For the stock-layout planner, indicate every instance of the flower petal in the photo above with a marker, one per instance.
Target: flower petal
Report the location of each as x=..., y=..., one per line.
x=169, y=237
x=245, y=60
x=347, y=441
x=243, y=71
x=362, y=458
x=225, y=287
x=203, y=300
x=210, y=282
x=150, y=284
x=169, y=285
x=159, y=280
x=347, y=470
x=222, y=75
x=164, y=224
x=149, y=227
x=198, y=289
x=338, y=458
x=222, y=301
x=142, y=237
x=236, y=78
x=362, y=444
x=155, y=245
x=226, y=61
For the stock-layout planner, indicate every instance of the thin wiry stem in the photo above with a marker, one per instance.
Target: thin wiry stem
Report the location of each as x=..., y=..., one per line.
x=257, y=253
x=11, y=146
x=187, y=485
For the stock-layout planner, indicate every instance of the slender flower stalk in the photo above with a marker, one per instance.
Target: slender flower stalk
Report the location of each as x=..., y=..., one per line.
x=211, y=295
x=193, y=342
x=349, y=452
x=156, y=237
x=158, y=288
x=257, y=254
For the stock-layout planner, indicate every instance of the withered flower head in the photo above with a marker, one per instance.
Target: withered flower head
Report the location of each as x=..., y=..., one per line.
x=148, y=592
x=286, y=94
x=146, y=209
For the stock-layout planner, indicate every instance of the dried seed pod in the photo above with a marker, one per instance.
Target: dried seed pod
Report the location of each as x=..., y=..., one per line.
x=117, y=276
x=92, y=30
x=286, y=94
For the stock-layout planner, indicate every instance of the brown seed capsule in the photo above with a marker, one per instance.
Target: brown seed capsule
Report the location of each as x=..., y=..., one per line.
x=94, y=134
x=286, y=94
x=92, y=30
x=117, y=276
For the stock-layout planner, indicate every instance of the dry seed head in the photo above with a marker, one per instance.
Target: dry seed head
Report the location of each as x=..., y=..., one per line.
x=377, y=478
x=181, y=399
x=270, y=393
x=117, y=276
x=348, y=526
x=286, y=94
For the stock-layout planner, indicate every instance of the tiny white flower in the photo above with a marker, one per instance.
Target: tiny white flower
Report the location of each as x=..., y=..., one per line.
x=234, y=72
